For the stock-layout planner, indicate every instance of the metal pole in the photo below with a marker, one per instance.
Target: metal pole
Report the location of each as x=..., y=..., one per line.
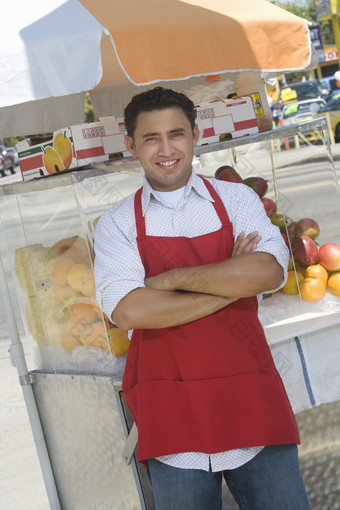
x=18, y=360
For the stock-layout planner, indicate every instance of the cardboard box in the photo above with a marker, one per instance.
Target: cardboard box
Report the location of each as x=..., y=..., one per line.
x=72, y=147
x=223, y=120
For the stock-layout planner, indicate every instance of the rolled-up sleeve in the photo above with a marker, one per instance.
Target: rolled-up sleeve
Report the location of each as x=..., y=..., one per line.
x=118, y=268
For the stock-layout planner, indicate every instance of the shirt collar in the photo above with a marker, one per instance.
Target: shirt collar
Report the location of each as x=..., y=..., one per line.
x=194, y=183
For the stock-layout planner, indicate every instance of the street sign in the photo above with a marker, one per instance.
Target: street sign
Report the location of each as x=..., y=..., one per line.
x=315, y=35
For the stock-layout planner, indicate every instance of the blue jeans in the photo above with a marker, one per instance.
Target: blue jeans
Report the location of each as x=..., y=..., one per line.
x=270, y=481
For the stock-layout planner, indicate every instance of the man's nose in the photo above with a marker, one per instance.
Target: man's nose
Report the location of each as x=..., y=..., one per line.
x=166, y=147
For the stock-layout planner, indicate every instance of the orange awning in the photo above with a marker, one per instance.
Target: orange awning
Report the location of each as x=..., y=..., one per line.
x=161, y=40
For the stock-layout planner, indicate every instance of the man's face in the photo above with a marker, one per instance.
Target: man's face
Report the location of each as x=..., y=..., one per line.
x=164, y=143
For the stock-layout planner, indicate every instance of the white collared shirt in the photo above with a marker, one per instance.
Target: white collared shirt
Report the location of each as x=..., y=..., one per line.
x=119, y=269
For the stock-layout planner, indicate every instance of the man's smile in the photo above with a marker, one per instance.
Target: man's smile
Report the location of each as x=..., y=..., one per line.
x=168, y=163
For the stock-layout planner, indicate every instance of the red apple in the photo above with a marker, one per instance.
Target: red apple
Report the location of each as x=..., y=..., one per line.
x=329, y=256
x=307, y=227
x=258, y=184
x=227, y=173
x=269, y=205
x=305, y=251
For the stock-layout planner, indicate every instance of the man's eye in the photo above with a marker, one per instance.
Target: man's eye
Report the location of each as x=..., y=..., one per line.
x=175, y=135
x=150, y=139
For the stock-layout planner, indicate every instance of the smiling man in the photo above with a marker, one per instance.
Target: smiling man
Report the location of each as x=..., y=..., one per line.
x=180, y=262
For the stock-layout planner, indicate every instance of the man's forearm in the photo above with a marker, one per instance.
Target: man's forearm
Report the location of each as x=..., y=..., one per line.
x=242, y=276
x=145, y=308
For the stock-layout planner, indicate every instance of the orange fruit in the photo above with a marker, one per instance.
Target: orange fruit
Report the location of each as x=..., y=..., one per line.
x=312, y=289
x=334, y=284
x=75, y=248
x=65, y=293
x=95, y=334
x=80, y=277
x=60, y=270
x=69, y=342
x=79, y=316
x=317, y=271
x=292, y=285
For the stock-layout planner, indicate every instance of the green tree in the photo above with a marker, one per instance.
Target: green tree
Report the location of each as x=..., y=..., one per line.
x=90, y=116
x=308, y=11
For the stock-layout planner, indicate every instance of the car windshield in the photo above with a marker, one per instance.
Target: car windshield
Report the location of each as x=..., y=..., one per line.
x=298, y=108
x=300, y=91
x=332, y=104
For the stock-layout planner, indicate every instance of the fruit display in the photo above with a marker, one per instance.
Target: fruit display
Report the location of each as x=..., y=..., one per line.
x=316, y=268
x=313, y=270
x=59, y=157
x=61, y=308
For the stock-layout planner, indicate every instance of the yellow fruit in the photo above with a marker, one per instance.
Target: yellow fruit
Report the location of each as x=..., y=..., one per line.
x=60, y=269
x=63, y=146
x=292, y=285
x=119, y=341
x=334, y=284
x=312, y=289
x=317, y=271
x=52, y=161
x=80, y=277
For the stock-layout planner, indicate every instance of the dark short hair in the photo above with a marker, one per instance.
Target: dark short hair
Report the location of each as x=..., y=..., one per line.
x=157, y=98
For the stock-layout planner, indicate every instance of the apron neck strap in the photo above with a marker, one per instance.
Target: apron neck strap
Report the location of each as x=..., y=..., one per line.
x=218, y=204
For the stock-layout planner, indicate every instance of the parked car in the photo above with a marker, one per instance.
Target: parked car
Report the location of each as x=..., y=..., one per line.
x=330, y=83
x=303, y=90
x=332, y=107
x=14, y=153
x=298, y=111
x=6, y=162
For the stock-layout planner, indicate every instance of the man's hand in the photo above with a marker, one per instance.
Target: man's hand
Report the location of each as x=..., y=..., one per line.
x=160, y=306
x=167, y=280
x=245, y=244
x=246, y=273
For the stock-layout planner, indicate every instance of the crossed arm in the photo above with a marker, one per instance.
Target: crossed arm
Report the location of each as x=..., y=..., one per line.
x=182, y=295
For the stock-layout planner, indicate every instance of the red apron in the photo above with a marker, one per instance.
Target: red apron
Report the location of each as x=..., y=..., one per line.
x=210, y=385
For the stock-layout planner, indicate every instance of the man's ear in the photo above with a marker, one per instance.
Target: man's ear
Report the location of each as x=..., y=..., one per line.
x=196, y=134
x=130, y=145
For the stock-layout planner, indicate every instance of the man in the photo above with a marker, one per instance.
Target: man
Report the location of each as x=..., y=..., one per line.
x=180, y=262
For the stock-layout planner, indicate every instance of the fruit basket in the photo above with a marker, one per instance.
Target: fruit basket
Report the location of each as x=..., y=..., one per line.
x=50, y=256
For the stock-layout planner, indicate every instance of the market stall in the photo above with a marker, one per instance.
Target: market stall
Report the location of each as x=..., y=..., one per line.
x=70, y=360
x=74, y=359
